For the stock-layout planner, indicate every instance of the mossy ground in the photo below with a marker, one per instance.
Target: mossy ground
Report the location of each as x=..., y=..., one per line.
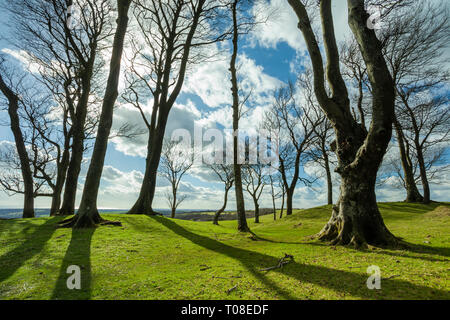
x=161, y=258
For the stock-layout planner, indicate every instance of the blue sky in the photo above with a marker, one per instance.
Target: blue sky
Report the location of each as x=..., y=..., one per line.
x=268, y=58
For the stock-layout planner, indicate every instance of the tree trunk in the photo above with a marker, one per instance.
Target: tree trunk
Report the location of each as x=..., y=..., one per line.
x=174, y=204
x=60, y=179
x=255, y=202
x=73, y=172
x=423, y=174
x=274, y=209
x=143, y=204
x=282, y=205
x=13, y=107
x=240, y=204
x=289, y=195
x=412, y=193
x=355, y=219
x=221, y=210
x=88, y=215
x=329, y=181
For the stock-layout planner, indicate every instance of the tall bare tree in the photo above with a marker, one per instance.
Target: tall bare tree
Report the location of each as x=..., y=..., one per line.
x=173, y=33
x=254, y=180
x=88, y=215
x=414, y=41
x=320, y=151
x=290, y=118
x=355, y=219
x=13, y=102
x=176, y=161
x=225, y=174
x=67, y=56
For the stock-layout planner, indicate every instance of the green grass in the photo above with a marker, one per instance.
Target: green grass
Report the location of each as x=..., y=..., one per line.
x=160, y=258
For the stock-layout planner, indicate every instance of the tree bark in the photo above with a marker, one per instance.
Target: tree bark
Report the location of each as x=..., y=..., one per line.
x=423, y=174
x=329, y=181
x=289, y=196
x=255, y=202
x=240, y=204
x=282, y=205
x=88, y=215
x=61, y=178
x=13, y=107
x=222, y=209
x=273, y=201
x=355, y=219
x=143, y=204
x=174, y=203
x=73, y=172
x=161, y=110
x=412, y=193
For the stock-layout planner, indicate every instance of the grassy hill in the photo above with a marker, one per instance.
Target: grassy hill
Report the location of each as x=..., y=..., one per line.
x=161, y=258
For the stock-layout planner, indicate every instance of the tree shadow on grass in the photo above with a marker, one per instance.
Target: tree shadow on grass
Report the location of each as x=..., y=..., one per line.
x=337, y=280
x=34, y=242
x=78, y=253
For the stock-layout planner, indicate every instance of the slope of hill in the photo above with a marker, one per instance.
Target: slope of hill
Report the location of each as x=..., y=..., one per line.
x=161, y=258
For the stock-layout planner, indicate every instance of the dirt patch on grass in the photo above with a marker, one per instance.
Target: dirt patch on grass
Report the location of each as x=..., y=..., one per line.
x=439, y=212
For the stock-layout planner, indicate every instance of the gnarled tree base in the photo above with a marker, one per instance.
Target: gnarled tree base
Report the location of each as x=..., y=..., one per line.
x=81, y=221
x=358, y=226
x=413, y=197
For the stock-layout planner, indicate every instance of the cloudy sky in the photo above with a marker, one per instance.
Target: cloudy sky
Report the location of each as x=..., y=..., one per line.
x=269, y=57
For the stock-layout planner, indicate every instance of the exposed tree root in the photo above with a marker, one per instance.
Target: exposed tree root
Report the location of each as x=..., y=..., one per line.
x=358, y=234
x=87, y=221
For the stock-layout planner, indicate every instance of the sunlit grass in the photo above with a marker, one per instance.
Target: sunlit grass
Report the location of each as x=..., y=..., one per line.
x=161, y=258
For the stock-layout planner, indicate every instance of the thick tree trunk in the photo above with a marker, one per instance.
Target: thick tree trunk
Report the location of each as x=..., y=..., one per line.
x=412, y=193
x=13, y=107
x=240, y=204
x=222, y=209
x=356, y=219
x=255, y=202
x=143, y=204
x=88, y=215
x=73, y=172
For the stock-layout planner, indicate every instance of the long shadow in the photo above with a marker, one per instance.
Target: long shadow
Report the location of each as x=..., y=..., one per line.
x=78, y=254
x=402, y=251
x=342, y=281
x=34, y=242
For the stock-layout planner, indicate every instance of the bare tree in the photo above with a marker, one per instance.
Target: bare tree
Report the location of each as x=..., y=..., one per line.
x=47, y=155
x=225, y=174
x=13, y=102
x=68, y=64
x=276, y=192
x=426, y=121
x=242, y=22
x=176, y=161
x=254, y=180
x=296, y=137
x=173, y=33
x=413, y=43
x=320, y=151
x=88, y=215
x=355, y=219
